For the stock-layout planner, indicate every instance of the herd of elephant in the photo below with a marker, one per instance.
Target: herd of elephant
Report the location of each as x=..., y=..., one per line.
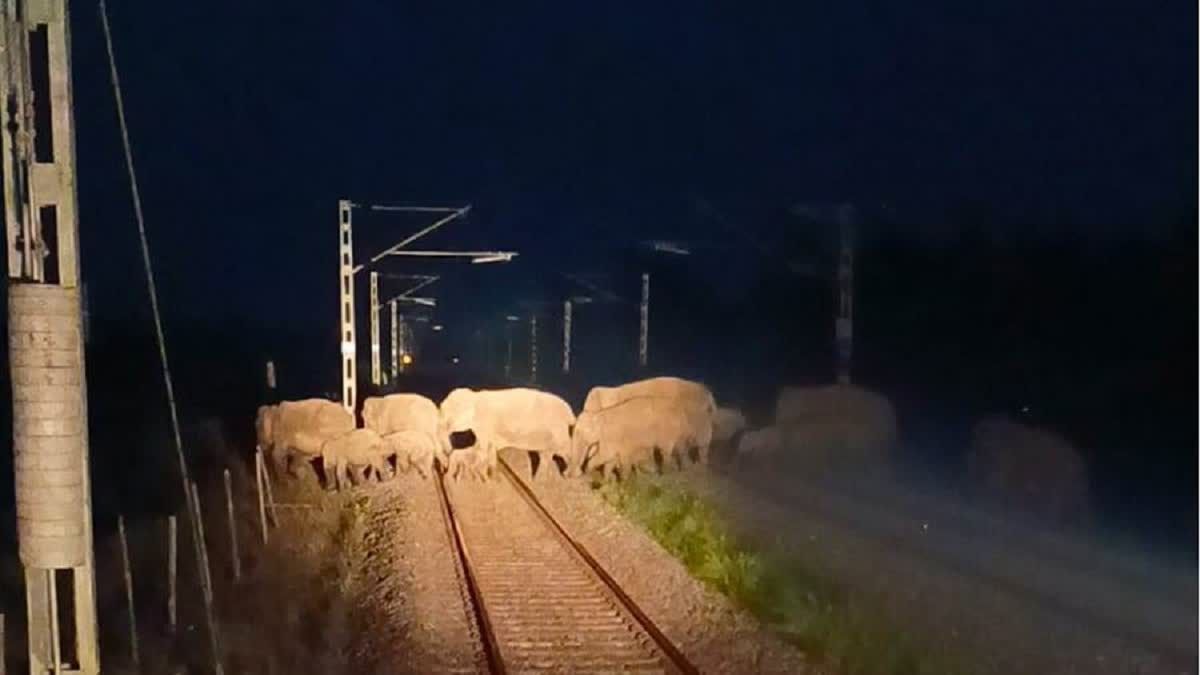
x=646, y=425
x=619, y=429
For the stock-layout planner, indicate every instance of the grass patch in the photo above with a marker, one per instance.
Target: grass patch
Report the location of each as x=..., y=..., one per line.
x=804, y=607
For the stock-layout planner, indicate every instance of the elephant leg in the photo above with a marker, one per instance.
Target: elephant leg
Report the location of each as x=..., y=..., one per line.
x=289, y=463
x=278, y=459
x=638, y=468
x=328, y=467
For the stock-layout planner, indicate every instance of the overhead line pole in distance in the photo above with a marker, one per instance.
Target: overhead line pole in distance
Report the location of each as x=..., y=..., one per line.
x=347, y=270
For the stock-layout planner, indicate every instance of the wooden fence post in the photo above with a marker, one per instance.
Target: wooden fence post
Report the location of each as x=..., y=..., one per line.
x=260, y=472
x=133, y=637
x=233, y=543
x=206, y=579
x=266, y=473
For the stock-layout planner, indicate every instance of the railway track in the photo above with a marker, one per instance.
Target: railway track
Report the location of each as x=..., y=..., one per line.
x=541, y=601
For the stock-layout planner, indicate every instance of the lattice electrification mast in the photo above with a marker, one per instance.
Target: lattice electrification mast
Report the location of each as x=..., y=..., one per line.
x=566, y=351
x=346, y=290
x=644, y=331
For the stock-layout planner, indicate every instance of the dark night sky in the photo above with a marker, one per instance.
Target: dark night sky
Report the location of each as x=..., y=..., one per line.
x=573, y=129
x=1067, y=130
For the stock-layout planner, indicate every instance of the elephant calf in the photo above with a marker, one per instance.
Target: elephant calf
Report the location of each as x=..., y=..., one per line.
x=415, y=449
x=355, y=449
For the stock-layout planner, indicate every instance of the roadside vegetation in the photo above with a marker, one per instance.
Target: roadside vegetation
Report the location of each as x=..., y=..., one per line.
x=804, y=607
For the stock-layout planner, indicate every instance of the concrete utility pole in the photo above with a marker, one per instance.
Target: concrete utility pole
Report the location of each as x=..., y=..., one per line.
x=45, y=336
x=395, y=338
x=567, y=336
x=533, y=356
x=644, y=333
x=376, y=370
x=844, y=323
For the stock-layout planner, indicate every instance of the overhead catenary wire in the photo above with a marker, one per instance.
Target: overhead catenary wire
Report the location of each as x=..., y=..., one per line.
x=417, y=277
x=416, y=209
x=185, y=481
x=457, y=213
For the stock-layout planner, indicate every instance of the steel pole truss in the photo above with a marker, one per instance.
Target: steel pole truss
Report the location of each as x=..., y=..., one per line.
x=533, y=353
x=566, y=364
x=346, y=312
x=395, y=325
x=644, y=331
x=376, y=369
